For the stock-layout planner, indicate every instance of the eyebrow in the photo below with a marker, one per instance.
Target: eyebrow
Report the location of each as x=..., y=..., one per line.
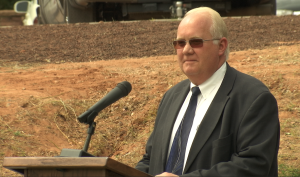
x=189, y=38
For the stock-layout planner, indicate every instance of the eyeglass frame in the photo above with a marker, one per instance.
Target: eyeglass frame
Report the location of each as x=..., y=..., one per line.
x=188, y=41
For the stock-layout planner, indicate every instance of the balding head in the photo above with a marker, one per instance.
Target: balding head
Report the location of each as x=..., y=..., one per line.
x=218, y=27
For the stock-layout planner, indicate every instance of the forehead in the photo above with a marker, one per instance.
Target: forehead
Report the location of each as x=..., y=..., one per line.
x=195, y=25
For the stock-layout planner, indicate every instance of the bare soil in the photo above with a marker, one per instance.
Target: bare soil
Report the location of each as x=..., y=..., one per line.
x=118, y=40
x=50, y=74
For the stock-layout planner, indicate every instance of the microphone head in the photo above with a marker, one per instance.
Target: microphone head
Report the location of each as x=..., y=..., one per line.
x=125, y=87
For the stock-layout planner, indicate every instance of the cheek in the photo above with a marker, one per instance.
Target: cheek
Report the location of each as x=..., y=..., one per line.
x=178, y=52
x=179, y=62
x=207, y=52
x=179, y=55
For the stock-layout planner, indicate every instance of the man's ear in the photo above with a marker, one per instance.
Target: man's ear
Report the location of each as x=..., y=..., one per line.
x=223, y=44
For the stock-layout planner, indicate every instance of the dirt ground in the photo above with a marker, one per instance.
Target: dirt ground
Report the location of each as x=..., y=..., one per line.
x=117, y=40
x=50, y=74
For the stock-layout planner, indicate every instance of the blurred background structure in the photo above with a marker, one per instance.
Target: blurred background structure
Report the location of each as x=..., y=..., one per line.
x=8, y=17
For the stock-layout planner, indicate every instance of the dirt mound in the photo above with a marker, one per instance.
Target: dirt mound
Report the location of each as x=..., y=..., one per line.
x=117, y=40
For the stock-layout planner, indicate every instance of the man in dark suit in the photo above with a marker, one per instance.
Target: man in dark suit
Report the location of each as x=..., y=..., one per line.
x=234, y=129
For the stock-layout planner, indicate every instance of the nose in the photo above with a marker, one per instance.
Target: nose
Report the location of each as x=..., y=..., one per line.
x=187, y=49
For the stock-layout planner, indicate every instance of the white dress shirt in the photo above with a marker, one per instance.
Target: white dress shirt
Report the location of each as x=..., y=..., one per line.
x=208, y=91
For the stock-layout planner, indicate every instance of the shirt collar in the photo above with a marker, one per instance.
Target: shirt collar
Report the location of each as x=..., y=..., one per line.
x=207, y=86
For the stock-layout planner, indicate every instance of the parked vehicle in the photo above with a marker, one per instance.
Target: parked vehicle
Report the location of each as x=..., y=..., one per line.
x=30, y=8
x=75, y=11
x=288, y=7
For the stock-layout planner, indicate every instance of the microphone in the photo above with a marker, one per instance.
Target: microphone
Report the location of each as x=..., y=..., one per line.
x=121, y=90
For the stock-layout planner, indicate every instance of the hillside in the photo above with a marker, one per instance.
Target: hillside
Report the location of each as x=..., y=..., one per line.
x=50, y=74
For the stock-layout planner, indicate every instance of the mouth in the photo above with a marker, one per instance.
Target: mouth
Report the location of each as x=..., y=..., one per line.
x=189, y=61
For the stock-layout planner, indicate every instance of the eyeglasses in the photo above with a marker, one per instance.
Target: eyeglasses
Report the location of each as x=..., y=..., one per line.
x=194, y=43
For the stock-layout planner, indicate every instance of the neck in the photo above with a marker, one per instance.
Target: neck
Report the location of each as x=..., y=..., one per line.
x=198, y=80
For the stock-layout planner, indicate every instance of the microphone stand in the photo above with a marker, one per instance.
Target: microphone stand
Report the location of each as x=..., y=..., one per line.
x=83, y=152
x=90, y=132
x=88, y=117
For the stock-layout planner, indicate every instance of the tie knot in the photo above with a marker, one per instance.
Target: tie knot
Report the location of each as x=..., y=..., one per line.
x=195, y=91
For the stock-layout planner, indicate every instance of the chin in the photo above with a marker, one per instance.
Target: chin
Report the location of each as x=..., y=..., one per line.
x=190, y=71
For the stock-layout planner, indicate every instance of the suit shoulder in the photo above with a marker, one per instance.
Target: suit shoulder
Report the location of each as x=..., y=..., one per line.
x=179, y=86
x=249, y=83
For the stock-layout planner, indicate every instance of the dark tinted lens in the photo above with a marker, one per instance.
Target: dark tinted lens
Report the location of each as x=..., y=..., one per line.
x=196, y=43
x=179, y=44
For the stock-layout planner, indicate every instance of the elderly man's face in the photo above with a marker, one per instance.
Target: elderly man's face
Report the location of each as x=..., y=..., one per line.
x=198, y=64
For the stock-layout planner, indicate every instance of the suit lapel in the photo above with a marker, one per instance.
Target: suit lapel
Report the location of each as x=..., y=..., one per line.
x=212, y=116
x=177, y=101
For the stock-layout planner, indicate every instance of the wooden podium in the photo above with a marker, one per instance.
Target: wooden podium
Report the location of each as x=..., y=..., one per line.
x=70, y=167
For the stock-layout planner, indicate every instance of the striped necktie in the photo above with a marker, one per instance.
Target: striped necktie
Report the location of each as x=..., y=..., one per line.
x=177, y=153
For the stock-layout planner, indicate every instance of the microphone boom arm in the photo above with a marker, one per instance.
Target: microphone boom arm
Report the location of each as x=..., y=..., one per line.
x=121, y=90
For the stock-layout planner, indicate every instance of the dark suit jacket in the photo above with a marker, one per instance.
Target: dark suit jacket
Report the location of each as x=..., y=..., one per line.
x=238, y=136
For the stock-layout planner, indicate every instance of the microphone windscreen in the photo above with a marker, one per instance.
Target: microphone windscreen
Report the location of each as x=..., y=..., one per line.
x=125, y=87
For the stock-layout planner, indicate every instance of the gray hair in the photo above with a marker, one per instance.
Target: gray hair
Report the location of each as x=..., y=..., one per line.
x=218, y=28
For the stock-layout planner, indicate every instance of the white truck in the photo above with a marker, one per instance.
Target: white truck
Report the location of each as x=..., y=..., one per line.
x=76, y=11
